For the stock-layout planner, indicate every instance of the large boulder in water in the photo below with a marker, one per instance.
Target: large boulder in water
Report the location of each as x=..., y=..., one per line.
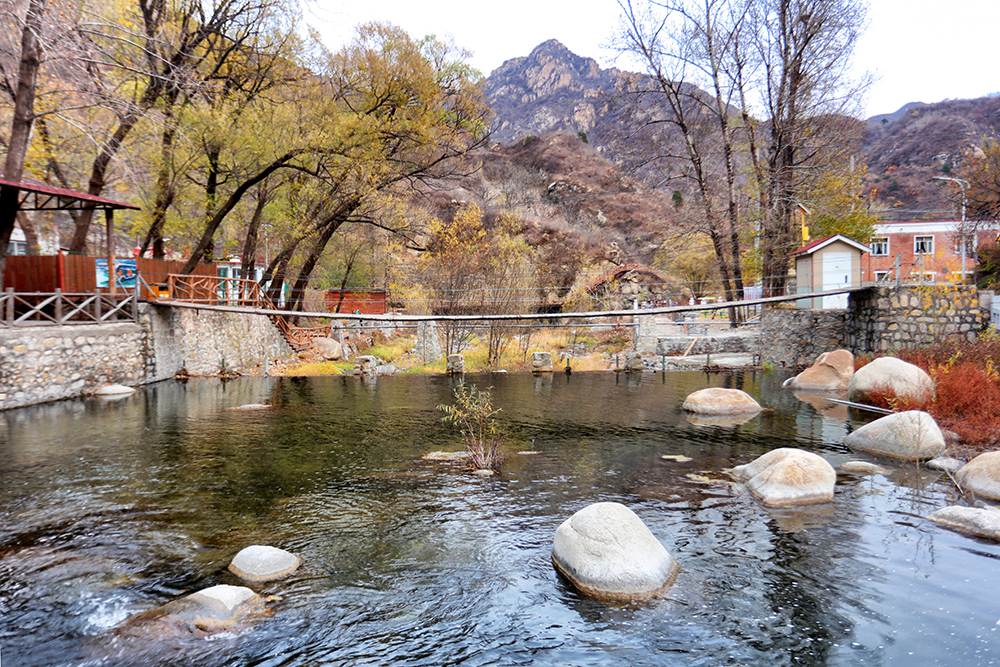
x=831, y=371
x=889, y=374
x=981, y=475
x=909, y=436
x=606, y=551
x=980, y=522
x=263, y=563
x=206, y=612
x=789, y=476
x=718, y=401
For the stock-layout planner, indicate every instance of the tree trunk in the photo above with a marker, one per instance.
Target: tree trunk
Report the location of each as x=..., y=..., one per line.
x=24, y=117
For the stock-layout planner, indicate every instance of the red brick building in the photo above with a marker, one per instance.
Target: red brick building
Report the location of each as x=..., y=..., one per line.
x=926, y=251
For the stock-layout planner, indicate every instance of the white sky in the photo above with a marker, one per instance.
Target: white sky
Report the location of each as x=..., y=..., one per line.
x=922, y=51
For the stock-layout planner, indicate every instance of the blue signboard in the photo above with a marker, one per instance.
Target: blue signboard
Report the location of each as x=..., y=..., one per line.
x=125, y=272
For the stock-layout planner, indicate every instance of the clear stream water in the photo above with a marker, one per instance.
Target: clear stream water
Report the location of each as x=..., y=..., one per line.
x=109, y=508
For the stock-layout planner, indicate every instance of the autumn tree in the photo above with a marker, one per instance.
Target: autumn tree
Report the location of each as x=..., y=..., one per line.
x=688, y=46
x=468, y=269
x=393, y=113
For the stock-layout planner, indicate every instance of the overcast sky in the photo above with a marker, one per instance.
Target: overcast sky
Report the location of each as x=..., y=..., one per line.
x=921, y=51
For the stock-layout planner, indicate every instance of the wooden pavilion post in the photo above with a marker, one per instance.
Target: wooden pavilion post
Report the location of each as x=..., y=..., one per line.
x=109, y=214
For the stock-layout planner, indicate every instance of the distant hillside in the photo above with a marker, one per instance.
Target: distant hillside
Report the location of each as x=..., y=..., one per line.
x=577, y=206
x=905, y=150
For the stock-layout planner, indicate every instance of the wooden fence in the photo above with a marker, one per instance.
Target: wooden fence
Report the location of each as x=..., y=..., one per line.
x=60, y=308
x=78, y=273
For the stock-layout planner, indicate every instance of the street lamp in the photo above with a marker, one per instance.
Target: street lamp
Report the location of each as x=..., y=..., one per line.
x=962, y=184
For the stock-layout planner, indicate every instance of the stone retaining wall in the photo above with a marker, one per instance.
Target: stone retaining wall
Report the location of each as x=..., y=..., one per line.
x=42, y=364
x=47, y=363
x=884, y=318
x=792, y=337
x=879, y=319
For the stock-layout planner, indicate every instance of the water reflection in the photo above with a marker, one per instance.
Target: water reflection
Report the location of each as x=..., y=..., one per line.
x=107, y=509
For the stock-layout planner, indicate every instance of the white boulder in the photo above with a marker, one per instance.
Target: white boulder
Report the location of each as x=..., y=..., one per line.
x=903, y=379
x=972, y=520
x=909, y=436
x=831, y=371
x=789, y=476
x=718, y=401
x=328, y=348
x=263, y=563
x=606, y=551
x=981, y=475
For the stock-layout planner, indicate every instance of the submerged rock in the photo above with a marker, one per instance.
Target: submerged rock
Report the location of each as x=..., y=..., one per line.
x=910, y=436
x=861, y=468
x=945, y=463
x=903, y=379
x=718, y=401
x=975, y=521
x=606, y=551
x=445, y=456
x=831, y=371
x=206, y=612
x=981, y=475
x=789, y=476
x=263, y=563
x=114, y=390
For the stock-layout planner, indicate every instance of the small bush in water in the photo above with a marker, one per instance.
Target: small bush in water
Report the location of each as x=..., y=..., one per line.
x=473, y=413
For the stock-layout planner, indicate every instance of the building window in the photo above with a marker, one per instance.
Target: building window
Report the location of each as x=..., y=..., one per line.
x=222, y=272
x=963, y=243
x=17, y=248
x=881, y=275
x=923, y=245
x=880, y=246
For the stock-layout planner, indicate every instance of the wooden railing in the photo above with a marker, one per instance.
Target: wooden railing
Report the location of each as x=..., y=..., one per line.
x=39, y=308
x=219, y=291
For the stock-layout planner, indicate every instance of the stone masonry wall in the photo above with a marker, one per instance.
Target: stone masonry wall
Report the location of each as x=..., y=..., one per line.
x=879, y=319
x=207, y=341
x=39, y=364
x=47, y=363
x=884, y=318
x=792, y=337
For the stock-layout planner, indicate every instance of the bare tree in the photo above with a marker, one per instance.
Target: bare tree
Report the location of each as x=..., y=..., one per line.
x=686, y=44
x=783, y=60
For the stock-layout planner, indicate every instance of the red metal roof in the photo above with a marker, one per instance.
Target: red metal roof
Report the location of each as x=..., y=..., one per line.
x=37, y=196
x=815, y=245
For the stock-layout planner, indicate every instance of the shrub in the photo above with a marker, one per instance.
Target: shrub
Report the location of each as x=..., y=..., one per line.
x=473, y=413
x=967, y=388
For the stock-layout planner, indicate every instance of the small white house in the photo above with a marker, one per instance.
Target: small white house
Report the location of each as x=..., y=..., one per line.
x=828, y=264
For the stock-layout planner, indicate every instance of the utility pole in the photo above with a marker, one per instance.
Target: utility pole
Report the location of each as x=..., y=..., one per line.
x=963, y=184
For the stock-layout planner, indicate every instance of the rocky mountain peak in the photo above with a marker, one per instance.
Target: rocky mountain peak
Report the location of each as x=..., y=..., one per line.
x=550, y=90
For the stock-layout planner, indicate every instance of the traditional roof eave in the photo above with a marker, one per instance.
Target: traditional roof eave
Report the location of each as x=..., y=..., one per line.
x=37, y=196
